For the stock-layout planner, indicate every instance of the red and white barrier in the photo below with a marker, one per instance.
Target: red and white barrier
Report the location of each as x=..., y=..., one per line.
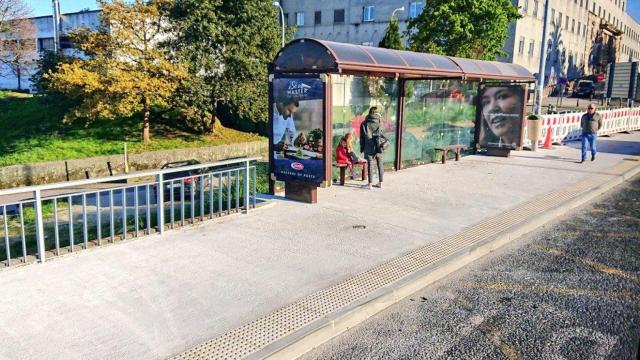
x=566, y=127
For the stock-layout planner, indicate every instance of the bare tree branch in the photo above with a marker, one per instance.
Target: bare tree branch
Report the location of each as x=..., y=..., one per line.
x=18, y=47
x=11, y=10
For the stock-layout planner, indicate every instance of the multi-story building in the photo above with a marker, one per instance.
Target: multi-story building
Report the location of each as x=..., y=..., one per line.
x=44, y=37
x=351, y=21
x=584, y=35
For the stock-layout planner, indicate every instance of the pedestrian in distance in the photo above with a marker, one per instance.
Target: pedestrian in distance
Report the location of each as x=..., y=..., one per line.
x=373, y=143
x=590, y=123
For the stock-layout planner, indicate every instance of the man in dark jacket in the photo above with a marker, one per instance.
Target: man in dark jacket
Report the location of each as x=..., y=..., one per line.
x=370, y=130
x=590, y=123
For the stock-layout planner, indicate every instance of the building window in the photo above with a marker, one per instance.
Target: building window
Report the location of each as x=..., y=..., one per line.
x=317, y=18
x=525, y=6
x=531, y=47
x=566, y=23
x=338, y=16
x=535, y=8
x=300, y=18
x=45, y=44
x=559, y=19
x=369, y=13
x=65, y=42
x=286, y=18
x=579, y=27
x=415, y=9
x=521, y=46
x=573, y=25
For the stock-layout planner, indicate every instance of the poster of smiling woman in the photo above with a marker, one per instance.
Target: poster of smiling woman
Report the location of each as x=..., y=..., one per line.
x=502, y=116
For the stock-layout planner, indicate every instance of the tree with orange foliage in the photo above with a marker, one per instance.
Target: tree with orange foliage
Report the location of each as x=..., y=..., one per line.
x=126, y=71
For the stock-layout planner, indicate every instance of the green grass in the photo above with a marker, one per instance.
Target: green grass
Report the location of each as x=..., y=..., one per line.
x=34, y=132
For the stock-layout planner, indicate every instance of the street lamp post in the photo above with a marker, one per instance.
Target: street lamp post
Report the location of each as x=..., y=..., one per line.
x=277, y=4
x=56, y=25
x=393, y=13
x=543, y=60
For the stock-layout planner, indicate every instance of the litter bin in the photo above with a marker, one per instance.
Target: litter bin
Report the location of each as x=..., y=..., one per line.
x=534, y=130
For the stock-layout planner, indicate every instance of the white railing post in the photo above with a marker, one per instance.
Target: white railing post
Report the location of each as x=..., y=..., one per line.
x=160, y=202
x=39, y=225
x=247, y=181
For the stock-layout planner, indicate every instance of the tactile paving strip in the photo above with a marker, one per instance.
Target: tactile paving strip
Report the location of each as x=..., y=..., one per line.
x=252, y=337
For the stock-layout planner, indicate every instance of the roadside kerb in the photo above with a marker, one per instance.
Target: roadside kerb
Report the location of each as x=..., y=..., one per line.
x=299, y=327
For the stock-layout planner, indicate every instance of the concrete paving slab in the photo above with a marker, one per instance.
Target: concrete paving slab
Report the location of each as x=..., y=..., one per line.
x=157, y=296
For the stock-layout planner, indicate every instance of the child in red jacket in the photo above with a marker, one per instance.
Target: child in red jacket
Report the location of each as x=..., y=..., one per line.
x=345, y=154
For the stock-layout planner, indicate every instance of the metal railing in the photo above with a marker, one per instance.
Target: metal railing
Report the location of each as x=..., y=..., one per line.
x=38, y=222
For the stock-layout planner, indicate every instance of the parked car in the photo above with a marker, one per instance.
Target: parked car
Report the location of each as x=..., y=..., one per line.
x=584, y=88
x=189, y=176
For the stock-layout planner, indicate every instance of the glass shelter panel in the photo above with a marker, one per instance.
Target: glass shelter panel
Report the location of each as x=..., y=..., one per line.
x=352, y=97
x=437, y=113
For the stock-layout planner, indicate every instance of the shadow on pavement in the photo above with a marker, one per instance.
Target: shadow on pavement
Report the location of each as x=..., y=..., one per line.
x=611, y=146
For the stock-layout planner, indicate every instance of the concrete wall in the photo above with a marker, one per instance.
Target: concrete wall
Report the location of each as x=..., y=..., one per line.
x=50, y=172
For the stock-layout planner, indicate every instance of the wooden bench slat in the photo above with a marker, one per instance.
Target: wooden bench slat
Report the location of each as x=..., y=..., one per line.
x=445, y=150
x=343, y=170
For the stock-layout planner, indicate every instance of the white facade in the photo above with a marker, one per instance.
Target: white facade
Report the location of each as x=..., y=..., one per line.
x=44, y=40
x=575, y=30
x=573, y=27
x=356, y=22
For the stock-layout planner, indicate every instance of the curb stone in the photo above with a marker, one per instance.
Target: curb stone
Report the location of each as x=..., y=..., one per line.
x=284, y=334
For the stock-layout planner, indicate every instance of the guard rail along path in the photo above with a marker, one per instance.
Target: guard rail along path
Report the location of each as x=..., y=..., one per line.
x=38, y=222
x=566, y=127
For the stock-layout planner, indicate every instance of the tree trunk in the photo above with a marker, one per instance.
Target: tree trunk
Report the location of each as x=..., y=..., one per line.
x=19, y=73
x=145, y=129
x=214, y=120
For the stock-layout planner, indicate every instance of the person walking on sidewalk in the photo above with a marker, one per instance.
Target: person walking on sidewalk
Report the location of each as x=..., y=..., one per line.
x=372, y=143
x=590, y=123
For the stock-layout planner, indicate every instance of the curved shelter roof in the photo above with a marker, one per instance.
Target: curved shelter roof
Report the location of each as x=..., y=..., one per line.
x=318, y=56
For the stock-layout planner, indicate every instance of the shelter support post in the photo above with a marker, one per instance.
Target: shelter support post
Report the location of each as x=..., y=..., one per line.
x=400, y=123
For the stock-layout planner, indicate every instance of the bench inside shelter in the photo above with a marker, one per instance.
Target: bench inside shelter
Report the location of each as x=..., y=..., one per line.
x=445, y=150
x=343, y=170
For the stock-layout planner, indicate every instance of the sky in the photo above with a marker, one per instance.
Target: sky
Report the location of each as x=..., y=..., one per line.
x=43, y=7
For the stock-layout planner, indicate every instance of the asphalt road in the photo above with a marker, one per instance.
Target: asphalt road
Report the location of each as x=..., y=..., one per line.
x=568, y=291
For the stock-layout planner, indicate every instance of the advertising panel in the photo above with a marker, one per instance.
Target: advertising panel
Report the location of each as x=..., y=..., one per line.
x=297, y=129
x=501, y=113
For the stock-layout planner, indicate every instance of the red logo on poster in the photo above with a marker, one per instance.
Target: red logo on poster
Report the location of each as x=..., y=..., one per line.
x=600, y=77
x=297, y=166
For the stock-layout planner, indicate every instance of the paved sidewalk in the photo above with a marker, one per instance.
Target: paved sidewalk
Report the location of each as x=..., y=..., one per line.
x=159, y=296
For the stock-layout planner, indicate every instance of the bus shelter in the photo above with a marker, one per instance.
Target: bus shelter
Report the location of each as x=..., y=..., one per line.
x=321, y=90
